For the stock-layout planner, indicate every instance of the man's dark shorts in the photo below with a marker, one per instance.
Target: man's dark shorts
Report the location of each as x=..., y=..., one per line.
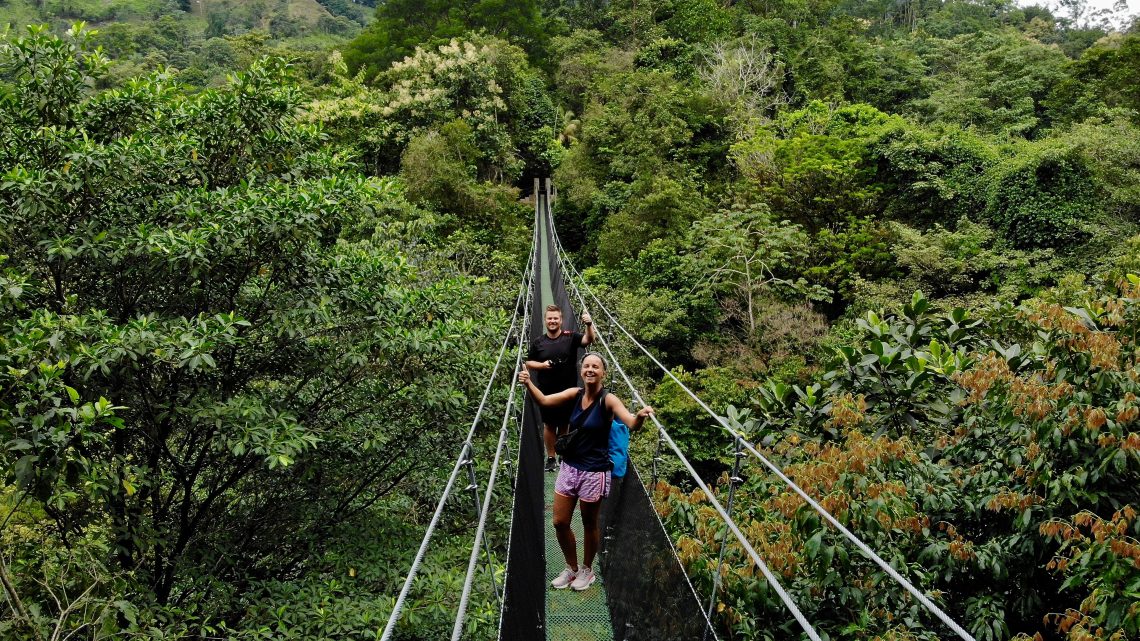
x=556, y=416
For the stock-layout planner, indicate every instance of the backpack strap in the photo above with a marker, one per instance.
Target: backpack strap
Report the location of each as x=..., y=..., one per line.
x=577, y=425
x=602, y=404
x=582, y=416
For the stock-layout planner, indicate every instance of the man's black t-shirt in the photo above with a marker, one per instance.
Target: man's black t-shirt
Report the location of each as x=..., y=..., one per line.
x=563, y=350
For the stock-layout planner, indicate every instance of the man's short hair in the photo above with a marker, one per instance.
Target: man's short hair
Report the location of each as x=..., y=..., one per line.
x=553, y=308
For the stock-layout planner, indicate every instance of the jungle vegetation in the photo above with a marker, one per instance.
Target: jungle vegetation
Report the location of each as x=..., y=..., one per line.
x=257, y=259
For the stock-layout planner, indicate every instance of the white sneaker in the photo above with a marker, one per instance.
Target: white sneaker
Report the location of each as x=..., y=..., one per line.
x=563, y=581
x=584, y=579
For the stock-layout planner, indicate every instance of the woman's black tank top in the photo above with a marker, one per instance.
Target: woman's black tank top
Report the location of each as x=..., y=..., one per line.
x=594, y=421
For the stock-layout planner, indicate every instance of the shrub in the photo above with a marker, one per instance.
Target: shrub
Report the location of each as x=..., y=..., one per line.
x=1043, y=196
x=932, y=175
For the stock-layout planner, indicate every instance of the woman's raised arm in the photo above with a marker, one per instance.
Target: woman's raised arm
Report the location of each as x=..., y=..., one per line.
x=553, y=400
x=631, y=420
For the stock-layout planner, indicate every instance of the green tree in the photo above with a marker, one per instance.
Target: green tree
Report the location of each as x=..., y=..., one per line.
x=995, y=81
x=966, y=265
x=932, y=174
x=960, y=17
x=658, y=207
x=481, y=80
x=634, y=174
x=748, y=256
x=663, y=298
x=1112, y=150
x=1045, y=196
x=1105, y=76
x=273, y=333
x=581, y=58
x=813, y=165
x=438, y=170
x=401, y=26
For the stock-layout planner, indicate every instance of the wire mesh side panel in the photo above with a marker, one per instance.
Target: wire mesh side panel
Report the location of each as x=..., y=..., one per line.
x=558, y=288
x=524, y=601
x=524, y=605
x=650, y=596
x=541, y=272
x=561, y=295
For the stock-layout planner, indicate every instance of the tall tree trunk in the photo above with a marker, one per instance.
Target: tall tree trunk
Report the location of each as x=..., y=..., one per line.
x=14, y=600
x=751, y=290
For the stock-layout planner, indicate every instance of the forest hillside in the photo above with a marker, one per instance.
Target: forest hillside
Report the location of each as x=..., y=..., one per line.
x=257, y=260
x=203, y=39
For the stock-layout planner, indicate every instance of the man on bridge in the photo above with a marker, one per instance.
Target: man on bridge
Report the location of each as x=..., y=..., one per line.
x=553, y=357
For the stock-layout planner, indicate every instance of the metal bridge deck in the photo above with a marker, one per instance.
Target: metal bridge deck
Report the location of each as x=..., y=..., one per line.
x=570, y=615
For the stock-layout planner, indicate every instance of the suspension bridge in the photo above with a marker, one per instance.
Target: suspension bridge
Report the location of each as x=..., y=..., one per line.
x=642, y=592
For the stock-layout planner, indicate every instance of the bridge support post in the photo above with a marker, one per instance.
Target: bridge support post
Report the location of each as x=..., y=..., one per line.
x=473, y=487
x=733, y=481
x=656, y=460
x=507, y=459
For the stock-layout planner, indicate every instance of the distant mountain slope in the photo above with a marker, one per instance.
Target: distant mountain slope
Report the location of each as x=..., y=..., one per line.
x=202, y=39
x=281, y=18
x=308, y=10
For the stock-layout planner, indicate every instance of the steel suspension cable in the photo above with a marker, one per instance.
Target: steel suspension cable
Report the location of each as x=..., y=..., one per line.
x=389, y=628
x=858, y=543
x=457, y=631
x=480, y=529
x=768, y=575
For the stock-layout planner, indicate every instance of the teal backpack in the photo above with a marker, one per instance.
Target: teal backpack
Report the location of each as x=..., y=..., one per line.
x=619, y=447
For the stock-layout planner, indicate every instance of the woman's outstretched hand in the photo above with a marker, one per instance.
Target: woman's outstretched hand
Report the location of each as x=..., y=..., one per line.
x=645, y=412
x=524, y=376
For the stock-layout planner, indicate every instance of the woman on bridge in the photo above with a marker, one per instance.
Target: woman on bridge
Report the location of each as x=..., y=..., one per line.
x=585, y=471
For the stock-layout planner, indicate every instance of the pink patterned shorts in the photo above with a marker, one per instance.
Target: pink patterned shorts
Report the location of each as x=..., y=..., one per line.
x=588, y=487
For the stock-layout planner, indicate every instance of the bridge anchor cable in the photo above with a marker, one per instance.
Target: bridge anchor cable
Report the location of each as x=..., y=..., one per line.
x=504, y=430
x=763, y=567
x=525, y=290
x=858, y=543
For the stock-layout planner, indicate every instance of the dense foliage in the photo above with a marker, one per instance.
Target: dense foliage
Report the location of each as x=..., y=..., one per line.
x=995, y=456
x=256, y=258
x=401, y=26
x=280, y=340
x=200, y=40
